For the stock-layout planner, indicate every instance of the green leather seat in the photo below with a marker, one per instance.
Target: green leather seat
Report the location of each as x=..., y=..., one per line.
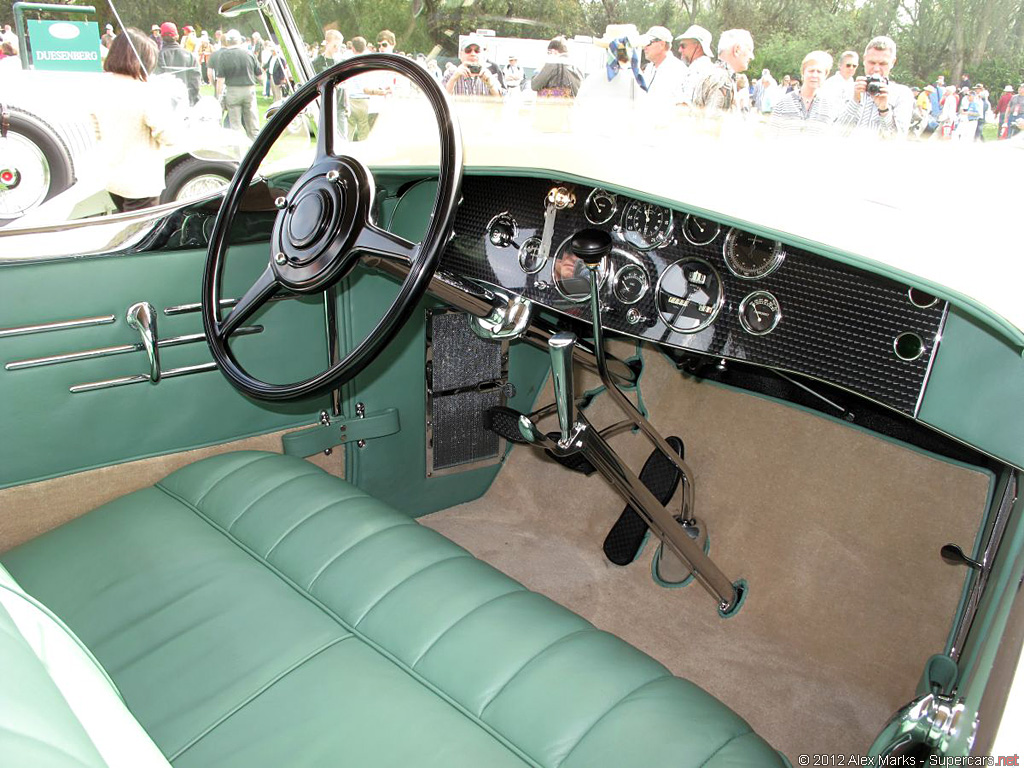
x=255, y=611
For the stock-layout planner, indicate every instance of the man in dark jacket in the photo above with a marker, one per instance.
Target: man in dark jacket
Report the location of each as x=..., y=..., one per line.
x=175, y=60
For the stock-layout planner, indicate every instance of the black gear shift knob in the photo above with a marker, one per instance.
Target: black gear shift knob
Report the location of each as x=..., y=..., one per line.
x=591, y=245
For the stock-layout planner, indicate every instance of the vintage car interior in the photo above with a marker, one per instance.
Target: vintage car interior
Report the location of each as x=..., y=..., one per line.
x=590, y=476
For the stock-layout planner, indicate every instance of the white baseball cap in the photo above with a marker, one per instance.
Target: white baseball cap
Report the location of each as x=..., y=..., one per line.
x=656, y=33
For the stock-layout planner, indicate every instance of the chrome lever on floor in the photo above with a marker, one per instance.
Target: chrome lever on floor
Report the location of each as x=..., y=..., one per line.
x=593, y=246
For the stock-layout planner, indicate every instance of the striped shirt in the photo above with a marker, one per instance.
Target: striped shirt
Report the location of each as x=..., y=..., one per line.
x=790, y=115
x=865, y=116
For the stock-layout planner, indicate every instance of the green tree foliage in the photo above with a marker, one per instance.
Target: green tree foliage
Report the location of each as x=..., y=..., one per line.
x=984, y=38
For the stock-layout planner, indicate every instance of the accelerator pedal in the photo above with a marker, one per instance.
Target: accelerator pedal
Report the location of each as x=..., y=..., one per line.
x=504, y=422
x=626, y=538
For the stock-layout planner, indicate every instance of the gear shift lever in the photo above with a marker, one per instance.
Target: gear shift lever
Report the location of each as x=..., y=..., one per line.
x=561, y=346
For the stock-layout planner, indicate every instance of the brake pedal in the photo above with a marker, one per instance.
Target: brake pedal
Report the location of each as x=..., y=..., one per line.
x=504, y=422
x=661, y=476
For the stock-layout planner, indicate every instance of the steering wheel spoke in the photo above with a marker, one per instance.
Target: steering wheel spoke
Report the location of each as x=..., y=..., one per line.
x=328, y=121
x=379, y=242
x=259, y=293
x=325, y=225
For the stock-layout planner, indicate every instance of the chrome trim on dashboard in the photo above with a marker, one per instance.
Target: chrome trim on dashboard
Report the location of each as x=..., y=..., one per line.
x=59, y=325
x=931, y=360
x=169, y=374
x=121, y=349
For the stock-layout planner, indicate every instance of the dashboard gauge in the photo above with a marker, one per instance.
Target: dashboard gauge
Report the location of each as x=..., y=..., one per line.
x=530, y=258
x=502, y=230
x=759, y=313
x=689, y=295
x=571, y=276
x=750, y=256
x=646, y=226
x=699, y=231
x=600, y=207
x=630, y=284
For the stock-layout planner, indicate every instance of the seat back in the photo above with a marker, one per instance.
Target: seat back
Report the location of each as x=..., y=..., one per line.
x=57, y=705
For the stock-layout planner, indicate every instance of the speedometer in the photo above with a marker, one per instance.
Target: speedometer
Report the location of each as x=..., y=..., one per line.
x=749, y=256
x=646, y=226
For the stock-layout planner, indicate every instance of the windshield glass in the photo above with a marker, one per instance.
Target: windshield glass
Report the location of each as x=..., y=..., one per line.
x=651, y=96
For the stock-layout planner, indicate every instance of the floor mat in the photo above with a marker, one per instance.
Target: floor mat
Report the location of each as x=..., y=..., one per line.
x=836, y=531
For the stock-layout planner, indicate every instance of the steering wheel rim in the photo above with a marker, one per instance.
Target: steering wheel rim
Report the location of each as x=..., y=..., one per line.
x=324, y=227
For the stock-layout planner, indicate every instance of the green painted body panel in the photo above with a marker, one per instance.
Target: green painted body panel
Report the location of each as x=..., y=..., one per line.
x=393, y=468
x=976, y=389
x=49, y=432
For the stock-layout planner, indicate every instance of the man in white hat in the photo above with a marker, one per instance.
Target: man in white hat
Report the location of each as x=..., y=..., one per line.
x=664, y=73
x=696, y=52
x=472, y=78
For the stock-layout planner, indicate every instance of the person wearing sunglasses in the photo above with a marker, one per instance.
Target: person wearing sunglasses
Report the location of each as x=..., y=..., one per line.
x=386, y=41
x=472, y=78
x=839, y=87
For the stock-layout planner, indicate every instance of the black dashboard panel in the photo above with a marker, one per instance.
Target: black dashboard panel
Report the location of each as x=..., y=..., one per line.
x=837, y=323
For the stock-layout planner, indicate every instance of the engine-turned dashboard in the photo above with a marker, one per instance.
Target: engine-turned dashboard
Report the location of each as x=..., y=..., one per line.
x=679, y=279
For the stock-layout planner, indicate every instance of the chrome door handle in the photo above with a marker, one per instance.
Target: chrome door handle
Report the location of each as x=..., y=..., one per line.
x=142, y=317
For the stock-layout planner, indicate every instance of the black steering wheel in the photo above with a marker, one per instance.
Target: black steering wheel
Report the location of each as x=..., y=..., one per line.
x=323, y=227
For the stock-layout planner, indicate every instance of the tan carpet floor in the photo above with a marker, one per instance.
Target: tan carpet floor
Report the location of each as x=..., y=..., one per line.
x=836, y=531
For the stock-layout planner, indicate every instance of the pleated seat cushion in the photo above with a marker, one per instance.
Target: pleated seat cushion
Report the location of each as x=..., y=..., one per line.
x=255, y=611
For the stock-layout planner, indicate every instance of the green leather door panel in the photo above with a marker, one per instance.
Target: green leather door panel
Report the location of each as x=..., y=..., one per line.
x=48, y=431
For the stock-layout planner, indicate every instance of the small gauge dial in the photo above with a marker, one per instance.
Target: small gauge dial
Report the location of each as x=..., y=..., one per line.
x=571, y=276
x=750, y=256
x=759, y=313
x=699, y=231
x=600, y=207
x=630, y=284
x=530, y=258
x=689, y=295
x=503, y=230
x=646, y=226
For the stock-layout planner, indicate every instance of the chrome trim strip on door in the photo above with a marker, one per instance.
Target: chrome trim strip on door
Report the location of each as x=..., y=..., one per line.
x=169, y=374
x=90, y=354
x=181, y=309
x=24, y=330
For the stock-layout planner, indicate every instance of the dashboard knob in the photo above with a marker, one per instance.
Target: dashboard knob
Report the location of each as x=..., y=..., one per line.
x=592, y=246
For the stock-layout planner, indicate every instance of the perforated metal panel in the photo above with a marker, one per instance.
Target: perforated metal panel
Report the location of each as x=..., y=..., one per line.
x=465, y=376
x=839, y=323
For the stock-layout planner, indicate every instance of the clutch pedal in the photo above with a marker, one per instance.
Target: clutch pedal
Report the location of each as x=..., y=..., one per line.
x=661, y=476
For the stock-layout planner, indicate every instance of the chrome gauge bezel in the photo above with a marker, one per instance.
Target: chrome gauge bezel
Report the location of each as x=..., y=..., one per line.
x=741, y=312
x=522, y=251
x=602, y=274
x=631, y=262
x=718, y=304
x=778, y=256
x=509, y=221
x=594, y=193
x=625, y=230
x=693, y=241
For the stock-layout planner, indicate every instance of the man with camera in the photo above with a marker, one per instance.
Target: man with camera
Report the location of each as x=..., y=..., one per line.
x=879, y=105
x=471, y=78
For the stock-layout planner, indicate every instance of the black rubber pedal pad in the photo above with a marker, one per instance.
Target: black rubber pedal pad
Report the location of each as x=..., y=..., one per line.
x=661, y=476
x=504, y=421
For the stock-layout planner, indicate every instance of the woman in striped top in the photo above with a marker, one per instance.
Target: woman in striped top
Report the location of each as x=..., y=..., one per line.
x=803, y=110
